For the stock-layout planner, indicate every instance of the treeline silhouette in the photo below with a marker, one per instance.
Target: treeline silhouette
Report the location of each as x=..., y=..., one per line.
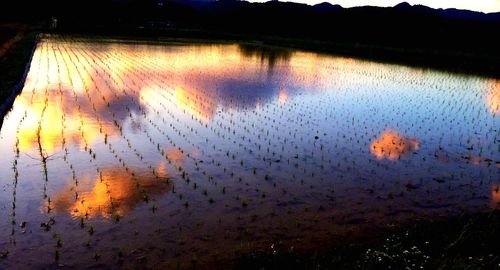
x=418, y=30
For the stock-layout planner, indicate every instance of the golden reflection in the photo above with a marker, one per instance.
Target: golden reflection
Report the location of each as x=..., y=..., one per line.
x=193, y=76
x=392, y=145
x=57, y=125
x=282, y=96
x=115, y=192
x=50, y=126
x=195, y=103
x=493, y=99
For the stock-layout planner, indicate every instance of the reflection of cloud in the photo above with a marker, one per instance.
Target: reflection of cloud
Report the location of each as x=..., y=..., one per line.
x=175, y=155
x=493, y=99
x=194, y=102
x=95, y=84
x=51, y=132
x=282, y=96
x=77, y=105
x=115, y=193
x=495, y=196
x=201, y=77
x=391, y=145
x=80, y=126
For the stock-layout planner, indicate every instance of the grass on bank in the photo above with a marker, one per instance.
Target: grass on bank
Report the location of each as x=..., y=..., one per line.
x=13, y=64
x=465, y=242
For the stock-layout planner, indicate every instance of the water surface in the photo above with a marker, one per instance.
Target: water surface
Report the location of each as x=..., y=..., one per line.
x=170, y=155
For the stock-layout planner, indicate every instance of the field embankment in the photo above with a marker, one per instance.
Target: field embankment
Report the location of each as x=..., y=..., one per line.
x=464, y=242
x=16, y=47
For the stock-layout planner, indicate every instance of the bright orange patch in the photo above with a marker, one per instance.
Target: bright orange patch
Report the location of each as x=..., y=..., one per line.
x=391, y=145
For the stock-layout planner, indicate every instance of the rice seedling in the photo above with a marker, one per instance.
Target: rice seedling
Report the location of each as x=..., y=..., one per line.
x=418, y=140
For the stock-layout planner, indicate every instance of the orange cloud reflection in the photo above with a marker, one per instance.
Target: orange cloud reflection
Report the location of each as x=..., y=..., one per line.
x=195, y=103
x=392, y=145
x=175, y=155
x=493, y=99
x=57, y=125
x=282, y=96
x=116, y=192
x=495, y=196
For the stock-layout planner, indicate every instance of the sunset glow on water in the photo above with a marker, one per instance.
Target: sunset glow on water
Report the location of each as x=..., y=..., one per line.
x=166, y=151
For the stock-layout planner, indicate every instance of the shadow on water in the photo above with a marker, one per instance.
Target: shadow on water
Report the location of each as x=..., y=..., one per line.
x=267, y=54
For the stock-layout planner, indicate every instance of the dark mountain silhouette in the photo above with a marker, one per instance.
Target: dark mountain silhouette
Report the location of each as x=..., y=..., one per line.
x=326, y=7
x=442, y=35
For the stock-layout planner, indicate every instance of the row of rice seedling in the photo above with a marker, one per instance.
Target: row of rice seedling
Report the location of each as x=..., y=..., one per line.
x=181, y=147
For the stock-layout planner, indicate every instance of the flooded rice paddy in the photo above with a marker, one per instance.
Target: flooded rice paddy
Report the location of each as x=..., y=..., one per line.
x=169, y=156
